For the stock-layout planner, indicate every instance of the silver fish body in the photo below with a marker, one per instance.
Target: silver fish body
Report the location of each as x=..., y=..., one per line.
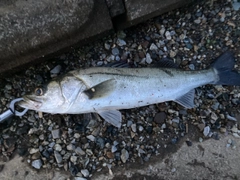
x=106, y=90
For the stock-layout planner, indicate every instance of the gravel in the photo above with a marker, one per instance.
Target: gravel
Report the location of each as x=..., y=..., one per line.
x=84, y=144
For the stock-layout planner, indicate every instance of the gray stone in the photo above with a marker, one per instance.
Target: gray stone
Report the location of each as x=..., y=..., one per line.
x=85, y=172
x=56, y=133
x=79, y=151
x=37, y=164
x=124, y=155
x=58, y=157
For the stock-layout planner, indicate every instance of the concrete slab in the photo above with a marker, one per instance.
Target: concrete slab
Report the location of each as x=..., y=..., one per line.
x=32, y=29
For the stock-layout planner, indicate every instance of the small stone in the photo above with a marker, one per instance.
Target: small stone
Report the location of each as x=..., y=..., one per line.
x=100, y=142
x=37, y=164
x=191, y=66
x=134, y=127
x=56, y=134
x=189, y=143
x=115, y=51
x=153, y=47
x=236, y=135
x=58, y=157
x=206, y=131
x=197, y=21
x=106, y=46
x=79, y=151
x=148, y=58
x=201, y=126
x=124, y=155
x=200, y=139
x=110, y=155
x=140, y=128
x=70, y=147
x=214, y=116
x=85, y=172
x=234, y=129
x=114, y=149
x=56, y=69
x=79, y=178
x=231, y=118
x=223, y=130
x=73, y=159
x=77, y=135
x=91, y=138
x=58, y=147
x=33, y=150
x=168, y=35
x=121, y=42
x=160, y=118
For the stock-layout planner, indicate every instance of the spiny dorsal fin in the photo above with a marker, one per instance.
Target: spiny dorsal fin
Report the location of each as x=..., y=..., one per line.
x=100, y=90
x=187, y=100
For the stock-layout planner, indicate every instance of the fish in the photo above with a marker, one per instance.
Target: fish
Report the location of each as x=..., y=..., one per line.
x=106, y=90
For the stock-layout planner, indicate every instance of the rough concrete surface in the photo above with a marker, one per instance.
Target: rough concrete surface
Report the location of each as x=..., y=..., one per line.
x=211, y=159
x=33, y=29
x=140, y=10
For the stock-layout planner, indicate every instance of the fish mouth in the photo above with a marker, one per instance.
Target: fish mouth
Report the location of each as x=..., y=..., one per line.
x=30, y=102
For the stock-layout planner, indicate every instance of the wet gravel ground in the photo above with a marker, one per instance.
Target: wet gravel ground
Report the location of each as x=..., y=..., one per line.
x=85, y=144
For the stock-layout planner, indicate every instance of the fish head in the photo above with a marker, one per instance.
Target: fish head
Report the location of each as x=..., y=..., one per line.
x=46, y=98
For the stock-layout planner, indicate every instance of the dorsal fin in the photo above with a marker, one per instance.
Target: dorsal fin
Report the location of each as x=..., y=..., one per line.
x=118, y=64
x=165, y=63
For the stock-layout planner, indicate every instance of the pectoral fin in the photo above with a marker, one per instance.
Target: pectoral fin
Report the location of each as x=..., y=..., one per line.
x=100, y=90
x=114, y=117
x=187, y=100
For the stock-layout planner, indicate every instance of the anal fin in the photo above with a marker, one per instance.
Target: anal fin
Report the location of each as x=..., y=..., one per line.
x=114, y=117
x=187, y=100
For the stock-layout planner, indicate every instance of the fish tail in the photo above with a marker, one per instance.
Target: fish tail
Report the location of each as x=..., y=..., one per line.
x=224, y=65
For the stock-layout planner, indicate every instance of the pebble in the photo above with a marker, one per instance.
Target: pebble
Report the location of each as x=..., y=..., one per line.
x=107, y=46
x=168, y=35
x=37, y=164
x=79, y=178
x=85, y=172
x=134, y=127
x=121, y=42
x=56, y=69
x=56, y=134
x=58, y=157
x=70, y=147
x=148, y=58
x=91, y=138
x=79, y=151
x=160, y=117
x=115, y=51
x=197, y=21
x=58, y=147
x=153, y=47
x=124, y=155
x=236, y=135
x=114, y=149
x=73, y=159
x=189, y=143
x=33, y=150
x=206, y=131
x=231, y=118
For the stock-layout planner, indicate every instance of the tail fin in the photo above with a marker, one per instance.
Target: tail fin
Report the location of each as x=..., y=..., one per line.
x=224, y=65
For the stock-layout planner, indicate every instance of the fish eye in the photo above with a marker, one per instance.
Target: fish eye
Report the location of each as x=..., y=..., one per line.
x=39, y=91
